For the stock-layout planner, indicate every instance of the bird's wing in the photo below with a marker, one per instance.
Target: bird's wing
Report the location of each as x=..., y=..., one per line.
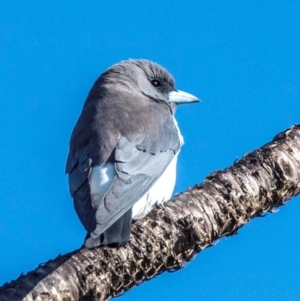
x=79, y=167
x=139, y=160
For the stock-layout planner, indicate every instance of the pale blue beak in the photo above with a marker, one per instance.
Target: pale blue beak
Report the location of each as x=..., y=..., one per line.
x=180, y=97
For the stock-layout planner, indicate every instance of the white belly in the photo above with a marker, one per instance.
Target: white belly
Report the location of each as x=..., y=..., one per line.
x=159, y=193
x=162, y=190
x=102, y=177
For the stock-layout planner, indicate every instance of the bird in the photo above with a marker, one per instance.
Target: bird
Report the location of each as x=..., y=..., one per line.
x=123, y=149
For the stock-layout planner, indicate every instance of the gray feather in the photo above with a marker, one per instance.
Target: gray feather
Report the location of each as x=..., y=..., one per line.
x=122, y=123
x=135, y=175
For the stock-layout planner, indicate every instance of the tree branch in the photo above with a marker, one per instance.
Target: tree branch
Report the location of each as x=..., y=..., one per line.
x=168, y=237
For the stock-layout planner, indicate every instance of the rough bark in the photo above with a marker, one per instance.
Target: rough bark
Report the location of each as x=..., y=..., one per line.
x=170, y=236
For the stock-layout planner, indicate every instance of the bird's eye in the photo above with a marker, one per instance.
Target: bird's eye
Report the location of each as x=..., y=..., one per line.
x=155, y=83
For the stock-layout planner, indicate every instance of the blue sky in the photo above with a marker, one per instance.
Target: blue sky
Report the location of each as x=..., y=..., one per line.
x=242, y=58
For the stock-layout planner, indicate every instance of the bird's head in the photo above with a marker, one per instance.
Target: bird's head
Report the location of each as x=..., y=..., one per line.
x=152, y=80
